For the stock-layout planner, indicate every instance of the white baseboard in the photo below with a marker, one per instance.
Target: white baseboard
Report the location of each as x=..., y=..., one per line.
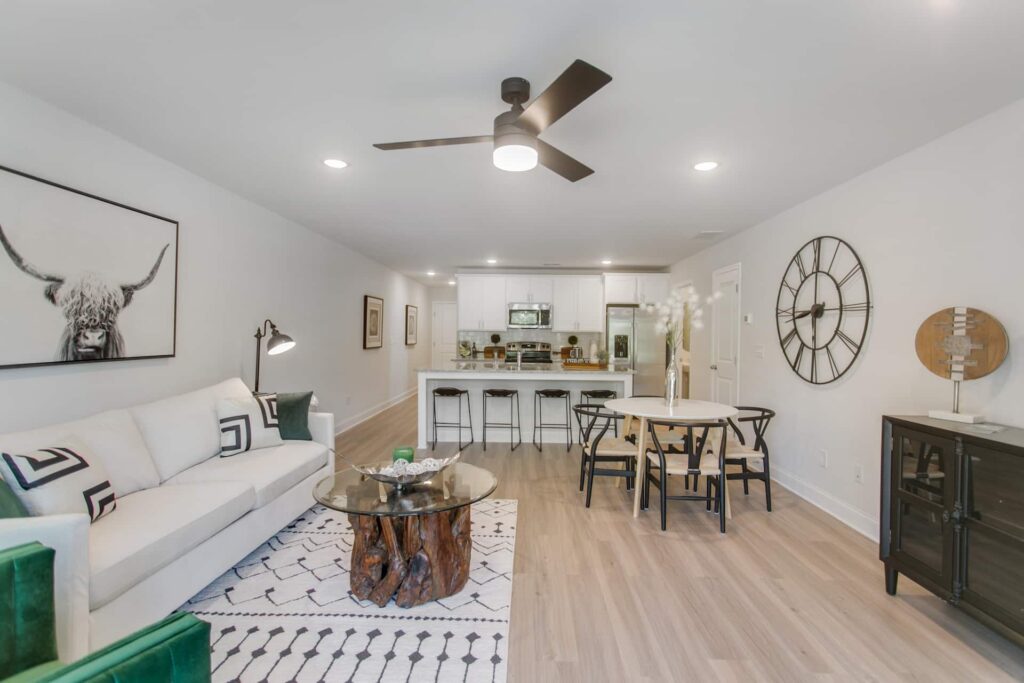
x=848, y=515
x=372, y=412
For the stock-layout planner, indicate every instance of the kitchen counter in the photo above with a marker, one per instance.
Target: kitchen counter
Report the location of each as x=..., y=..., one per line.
x=476, y=375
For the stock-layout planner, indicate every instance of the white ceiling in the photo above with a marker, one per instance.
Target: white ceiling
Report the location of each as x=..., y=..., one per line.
x=791, y=97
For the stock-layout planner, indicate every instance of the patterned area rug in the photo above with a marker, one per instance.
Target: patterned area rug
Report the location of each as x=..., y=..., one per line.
x=285, y=613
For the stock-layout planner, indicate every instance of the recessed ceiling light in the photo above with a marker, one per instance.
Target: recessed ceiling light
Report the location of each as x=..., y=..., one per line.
x=451, y=282
x=706, y=166
x=335, y=163
x=606, y=262
x=431, y=273
x=491, y=261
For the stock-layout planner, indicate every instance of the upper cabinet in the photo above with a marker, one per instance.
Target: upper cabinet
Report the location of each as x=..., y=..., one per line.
x=578, y=304
x=529, y=289
x=482, y=302
x=635, y=288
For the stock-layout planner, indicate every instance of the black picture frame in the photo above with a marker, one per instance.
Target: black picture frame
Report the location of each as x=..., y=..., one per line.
x=6, y=259
x=373, y=322
x=412, y=325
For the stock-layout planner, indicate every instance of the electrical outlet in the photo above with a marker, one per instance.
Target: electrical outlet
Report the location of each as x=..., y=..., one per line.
x=858, y=474
x=823, y=459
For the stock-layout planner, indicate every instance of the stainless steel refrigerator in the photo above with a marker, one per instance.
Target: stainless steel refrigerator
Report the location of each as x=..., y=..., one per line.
x=634, y=343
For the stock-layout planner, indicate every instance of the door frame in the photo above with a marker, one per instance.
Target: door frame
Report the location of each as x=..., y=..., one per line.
x=435, y=328
x=738, y=267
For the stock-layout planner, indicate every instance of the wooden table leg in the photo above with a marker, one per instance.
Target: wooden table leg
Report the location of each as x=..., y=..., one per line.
x=641, y=465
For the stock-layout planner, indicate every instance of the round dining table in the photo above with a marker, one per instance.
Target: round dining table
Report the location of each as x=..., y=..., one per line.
x=682, y=411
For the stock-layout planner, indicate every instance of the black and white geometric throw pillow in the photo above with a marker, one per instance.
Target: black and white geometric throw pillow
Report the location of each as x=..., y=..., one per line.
x=248, y=423
x=60, y=479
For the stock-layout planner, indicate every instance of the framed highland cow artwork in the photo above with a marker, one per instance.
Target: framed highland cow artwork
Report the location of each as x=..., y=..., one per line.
x=82, y=278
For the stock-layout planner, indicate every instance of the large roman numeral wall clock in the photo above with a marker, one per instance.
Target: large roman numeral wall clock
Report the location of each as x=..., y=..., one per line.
x=822, y=310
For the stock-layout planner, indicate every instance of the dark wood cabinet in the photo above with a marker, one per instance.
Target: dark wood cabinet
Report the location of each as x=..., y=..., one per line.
x=952, y=515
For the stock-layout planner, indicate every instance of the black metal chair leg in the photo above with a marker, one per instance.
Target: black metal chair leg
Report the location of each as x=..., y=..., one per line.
x=707, y=491
x=767, y=483
x=722, y=483
x=538, y=414
x=746, y=482
x=663, y=491
x=590, y=479
x=485, y=421
x=434, y=445
x=469, y=410
x=568, y=426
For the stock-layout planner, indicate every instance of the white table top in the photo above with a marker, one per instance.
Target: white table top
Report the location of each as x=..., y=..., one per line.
x=683, y=409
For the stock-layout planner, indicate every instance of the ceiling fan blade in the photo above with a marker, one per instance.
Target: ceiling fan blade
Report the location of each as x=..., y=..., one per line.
x=561, y=163
x=577, y=83
x=439, y=142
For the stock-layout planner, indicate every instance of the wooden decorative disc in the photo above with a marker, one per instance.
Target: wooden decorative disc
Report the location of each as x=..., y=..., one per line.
x=961, y=343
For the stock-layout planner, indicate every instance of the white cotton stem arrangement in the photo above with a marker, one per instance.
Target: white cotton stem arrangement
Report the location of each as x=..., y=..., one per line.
x=680, y=313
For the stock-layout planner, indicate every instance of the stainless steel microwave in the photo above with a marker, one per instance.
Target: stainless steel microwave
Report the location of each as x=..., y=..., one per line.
x=529, y=317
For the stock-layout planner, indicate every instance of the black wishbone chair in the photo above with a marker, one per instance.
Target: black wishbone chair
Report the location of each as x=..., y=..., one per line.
x=740, y=453
x=599, y=447
x=699, y=458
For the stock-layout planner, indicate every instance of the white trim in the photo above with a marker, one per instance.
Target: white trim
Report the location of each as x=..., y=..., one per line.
x=738, y=267
x=362, y=417
x=845, y=513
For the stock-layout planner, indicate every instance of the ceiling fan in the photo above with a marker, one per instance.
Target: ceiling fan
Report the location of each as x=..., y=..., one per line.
x=516, y=145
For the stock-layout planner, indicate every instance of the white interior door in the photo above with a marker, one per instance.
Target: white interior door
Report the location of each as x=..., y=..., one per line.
x=444, y=333
x=725, y=335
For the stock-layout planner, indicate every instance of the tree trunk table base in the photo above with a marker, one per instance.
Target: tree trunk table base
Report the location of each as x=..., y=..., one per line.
x=414, y=559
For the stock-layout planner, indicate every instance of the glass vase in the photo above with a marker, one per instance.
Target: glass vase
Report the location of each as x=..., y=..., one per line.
x=671, y=380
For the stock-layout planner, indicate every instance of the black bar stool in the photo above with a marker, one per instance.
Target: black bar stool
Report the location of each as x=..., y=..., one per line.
x=513, y=411
x=595, y=397
x=457, y=394
x=538, y=416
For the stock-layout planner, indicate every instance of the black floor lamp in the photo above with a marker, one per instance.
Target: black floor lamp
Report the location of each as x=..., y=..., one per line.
x=278, y=343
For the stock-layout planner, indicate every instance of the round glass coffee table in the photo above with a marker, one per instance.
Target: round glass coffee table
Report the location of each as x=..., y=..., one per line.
x=413, y=545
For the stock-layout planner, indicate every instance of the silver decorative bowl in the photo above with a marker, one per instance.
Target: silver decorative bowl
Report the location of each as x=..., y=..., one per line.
x=400, y=473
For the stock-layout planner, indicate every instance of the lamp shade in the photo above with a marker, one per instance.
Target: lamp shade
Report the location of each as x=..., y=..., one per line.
x=279, y=343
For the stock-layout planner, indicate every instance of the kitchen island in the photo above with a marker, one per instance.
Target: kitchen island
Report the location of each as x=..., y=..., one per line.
x=476, y=376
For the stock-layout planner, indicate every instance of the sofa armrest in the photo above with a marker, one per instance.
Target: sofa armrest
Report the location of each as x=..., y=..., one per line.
x=68, y=536
x=321, y=426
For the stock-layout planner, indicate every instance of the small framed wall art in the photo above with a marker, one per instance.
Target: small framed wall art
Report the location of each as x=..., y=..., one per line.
x=411, y=325
x=373, y=322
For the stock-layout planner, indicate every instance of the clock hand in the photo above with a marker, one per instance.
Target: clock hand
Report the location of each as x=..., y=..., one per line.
x=802, y=314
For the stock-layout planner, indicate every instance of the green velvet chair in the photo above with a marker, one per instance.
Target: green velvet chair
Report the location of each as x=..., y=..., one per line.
x=175, y=650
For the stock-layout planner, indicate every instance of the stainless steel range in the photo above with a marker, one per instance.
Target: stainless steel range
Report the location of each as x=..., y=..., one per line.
x=532, y=352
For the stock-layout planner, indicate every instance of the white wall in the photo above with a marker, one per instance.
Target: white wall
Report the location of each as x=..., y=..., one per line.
x=238, y=264
x=940, y=226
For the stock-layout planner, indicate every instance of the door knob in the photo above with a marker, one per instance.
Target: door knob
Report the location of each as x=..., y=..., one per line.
x=714, y=367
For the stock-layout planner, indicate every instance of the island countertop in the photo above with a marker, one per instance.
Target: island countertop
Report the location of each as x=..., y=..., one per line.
x=511, y=370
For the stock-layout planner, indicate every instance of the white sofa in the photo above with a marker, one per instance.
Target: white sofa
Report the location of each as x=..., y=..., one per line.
x=184, y=515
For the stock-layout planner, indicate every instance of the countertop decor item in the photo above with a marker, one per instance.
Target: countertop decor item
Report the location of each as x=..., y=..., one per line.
x=277, y=344
x=961, y=344
x=373, y=322
x=407, y=453
x=823, y=309
x=682, y=308
x=70, y=264
x=495, y=338
x=401, y=473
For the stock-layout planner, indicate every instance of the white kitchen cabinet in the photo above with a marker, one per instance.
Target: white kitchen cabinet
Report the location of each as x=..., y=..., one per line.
x=590, y=305
x=529, y=289
x=635, y=288
x=578, y=304
x=652, y=287
x=620, y=289
x=482, y=302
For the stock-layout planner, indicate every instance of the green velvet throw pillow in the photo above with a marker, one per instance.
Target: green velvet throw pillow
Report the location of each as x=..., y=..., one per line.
x=293, y=416
x=10, y=505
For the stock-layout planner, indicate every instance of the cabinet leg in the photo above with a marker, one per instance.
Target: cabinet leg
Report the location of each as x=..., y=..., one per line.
x=890, y=580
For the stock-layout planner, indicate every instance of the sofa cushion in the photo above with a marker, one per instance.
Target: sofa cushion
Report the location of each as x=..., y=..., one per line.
x=154, y=527
x=62, y=478
x=270, y=471
x=182, y=431
x=247, y=423
x=112, y=437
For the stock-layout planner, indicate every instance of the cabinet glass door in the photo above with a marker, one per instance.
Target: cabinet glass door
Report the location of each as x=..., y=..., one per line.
x=994, y=503
x=924, y=480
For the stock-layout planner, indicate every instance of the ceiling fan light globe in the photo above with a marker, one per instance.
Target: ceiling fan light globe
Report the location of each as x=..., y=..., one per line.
x=515, y=157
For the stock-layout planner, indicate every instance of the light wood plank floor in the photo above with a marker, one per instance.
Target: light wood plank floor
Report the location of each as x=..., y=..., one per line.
x=788, y=596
